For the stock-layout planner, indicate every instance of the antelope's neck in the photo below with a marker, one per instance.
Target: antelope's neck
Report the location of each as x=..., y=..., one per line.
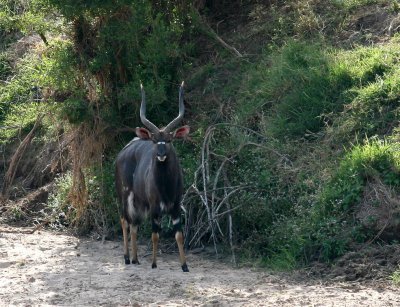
x=166, y=175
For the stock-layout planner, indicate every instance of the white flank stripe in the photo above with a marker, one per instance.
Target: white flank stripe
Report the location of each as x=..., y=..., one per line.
x=162, y=206
x=131, y=208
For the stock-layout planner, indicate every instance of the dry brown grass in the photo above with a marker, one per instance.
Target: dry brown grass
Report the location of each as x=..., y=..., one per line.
x=379, y=210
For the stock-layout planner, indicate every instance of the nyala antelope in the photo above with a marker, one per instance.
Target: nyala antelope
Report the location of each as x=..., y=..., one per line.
x=148, y=179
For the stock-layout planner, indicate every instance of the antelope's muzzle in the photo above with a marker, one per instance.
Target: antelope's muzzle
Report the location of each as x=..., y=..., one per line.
x=161, y=151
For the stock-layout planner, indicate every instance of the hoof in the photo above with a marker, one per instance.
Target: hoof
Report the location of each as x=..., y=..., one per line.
x=135, y=261
x=185, y=268
x=153, y=266
x=127, y=261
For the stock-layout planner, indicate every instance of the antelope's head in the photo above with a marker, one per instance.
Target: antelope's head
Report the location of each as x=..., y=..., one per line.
x=162, y=138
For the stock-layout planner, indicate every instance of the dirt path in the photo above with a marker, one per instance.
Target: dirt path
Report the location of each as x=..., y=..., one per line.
x=47, y=268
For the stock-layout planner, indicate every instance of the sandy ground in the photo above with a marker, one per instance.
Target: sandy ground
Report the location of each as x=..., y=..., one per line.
x=47, y=268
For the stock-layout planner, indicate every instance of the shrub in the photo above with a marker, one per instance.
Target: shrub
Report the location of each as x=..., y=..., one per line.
x=75, y=110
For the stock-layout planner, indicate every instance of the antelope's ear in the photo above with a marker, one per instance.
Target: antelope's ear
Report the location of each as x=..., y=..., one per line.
x=143, y=133
x=181, y=132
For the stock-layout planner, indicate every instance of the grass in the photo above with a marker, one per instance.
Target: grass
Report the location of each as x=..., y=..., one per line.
x=332, y=99
x=395, y=277
x=301, y=87
x=291, y=86
x=334, y=224
x=354, y=4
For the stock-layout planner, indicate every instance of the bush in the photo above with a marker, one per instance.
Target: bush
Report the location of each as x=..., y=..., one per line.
x=75, y=110
x=58, y=199
x=101, y=216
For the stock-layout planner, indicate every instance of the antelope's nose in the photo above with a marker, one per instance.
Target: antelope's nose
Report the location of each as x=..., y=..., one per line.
x=161, y=151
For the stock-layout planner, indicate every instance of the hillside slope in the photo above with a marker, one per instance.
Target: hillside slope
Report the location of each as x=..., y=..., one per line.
x=294, y=107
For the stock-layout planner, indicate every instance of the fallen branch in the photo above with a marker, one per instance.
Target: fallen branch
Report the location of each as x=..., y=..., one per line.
x=26, y=231
x=223, y=43
x=211, y=33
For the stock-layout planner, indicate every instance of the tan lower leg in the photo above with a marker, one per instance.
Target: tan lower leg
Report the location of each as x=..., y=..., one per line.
x=134, y=230
x=124, y=226
x=179, y=240
x=154, y=239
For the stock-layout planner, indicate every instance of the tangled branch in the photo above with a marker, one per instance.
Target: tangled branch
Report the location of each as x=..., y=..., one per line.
x=212, y=187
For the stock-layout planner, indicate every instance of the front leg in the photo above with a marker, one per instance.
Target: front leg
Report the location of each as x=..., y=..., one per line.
x=179, y=240
x=155, y=225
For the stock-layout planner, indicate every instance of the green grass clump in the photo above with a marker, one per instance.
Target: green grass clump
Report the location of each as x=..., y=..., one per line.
x=374, y=110
x=354, y=4
x=375, y=159
x=22, y=88
x=5, y=67
x=18, y=122
x=373, y=101
x=323, y=227
x=300, y=88
x=395, y=277
x=334, y=226
x=295, y=86
x=365, y=64
x=20, y=99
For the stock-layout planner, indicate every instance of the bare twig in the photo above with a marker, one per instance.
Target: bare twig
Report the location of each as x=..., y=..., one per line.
x=230, y=222
x=205, y=173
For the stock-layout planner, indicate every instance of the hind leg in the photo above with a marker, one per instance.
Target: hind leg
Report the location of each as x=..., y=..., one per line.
x=134, y=229
x=124, y=225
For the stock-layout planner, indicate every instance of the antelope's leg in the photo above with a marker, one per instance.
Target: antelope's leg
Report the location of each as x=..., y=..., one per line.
x=133, y=230
x=124, y=225
x=154, y=238
x=179, y=240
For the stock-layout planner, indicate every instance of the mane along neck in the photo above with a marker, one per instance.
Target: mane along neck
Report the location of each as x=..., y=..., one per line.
x=167, y=175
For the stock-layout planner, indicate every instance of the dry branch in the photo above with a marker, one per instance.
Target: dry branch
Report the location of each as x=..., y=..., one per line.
x=211, y=33
x=214, y=191
x=15, y=160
